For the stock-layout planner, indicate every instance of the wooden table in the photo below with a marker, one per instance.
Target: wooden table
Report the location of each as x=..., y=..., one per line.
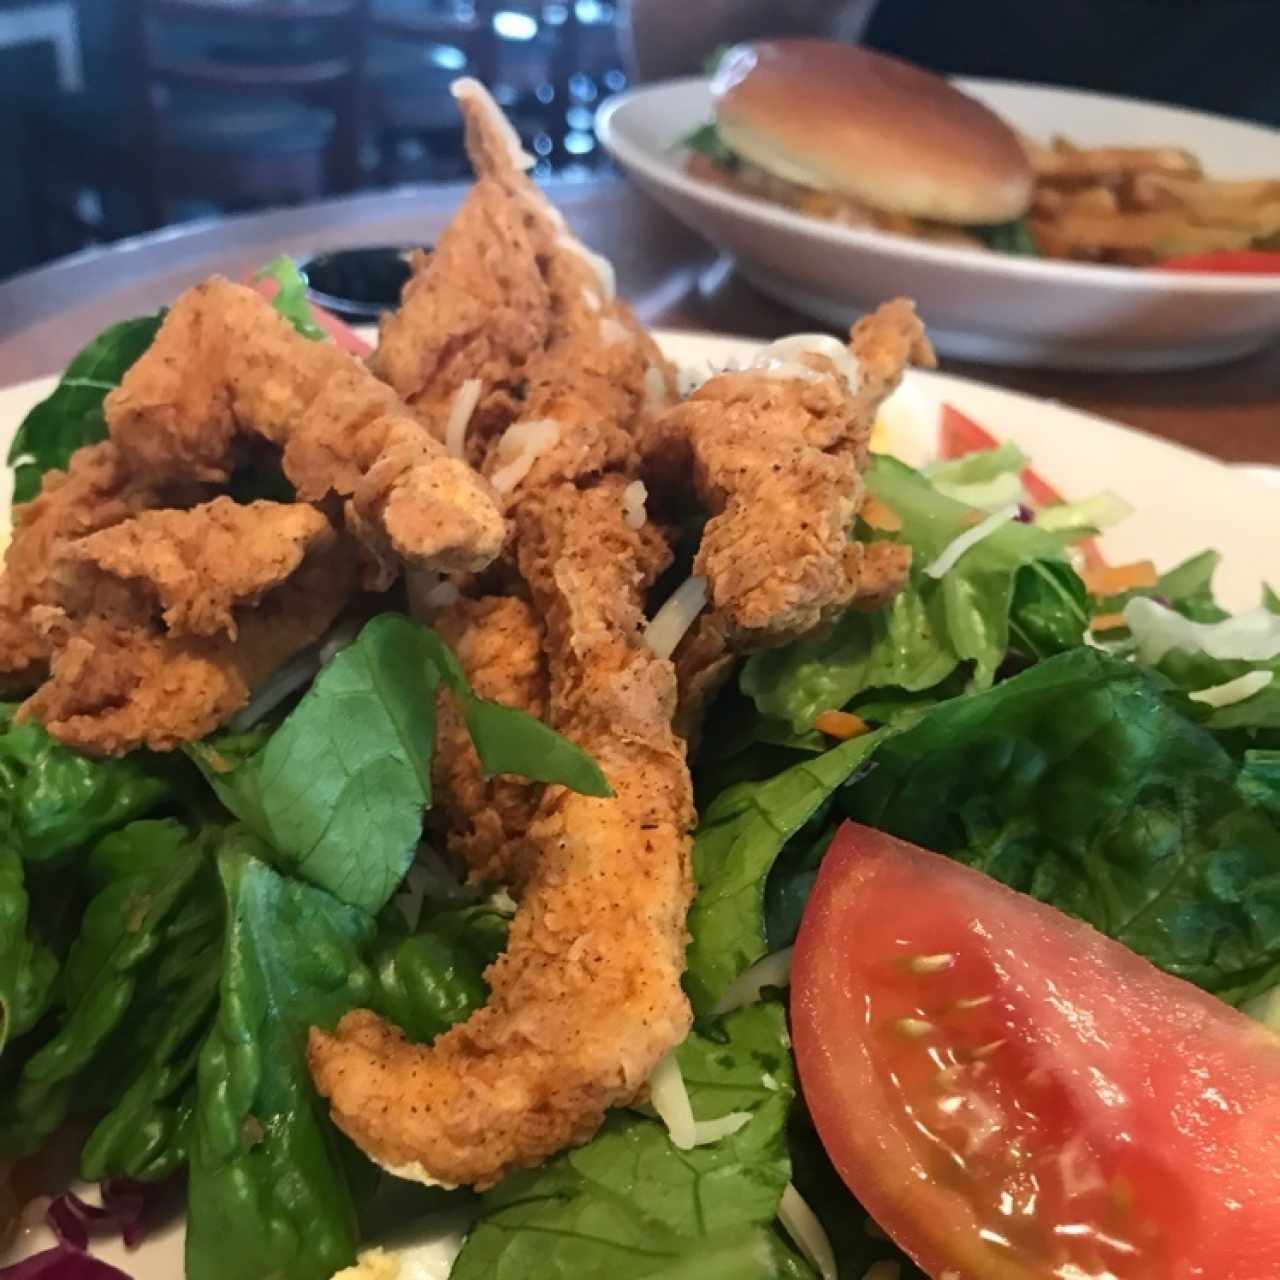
x=672, y=278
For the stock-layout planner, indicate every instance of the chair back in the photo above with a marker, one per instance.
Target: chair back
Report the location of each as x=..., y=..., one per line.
x=323, y=66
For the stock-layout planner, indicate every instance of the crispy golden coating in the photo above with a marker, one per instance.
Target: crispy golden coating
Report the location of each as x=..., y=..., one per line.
x=776, y=455
x=477, y=306
x=119, y=681
x=96, y=491
x=512, y=299
x=587, y=997
x=192, y=567
x=225, y=363
x=499, y=642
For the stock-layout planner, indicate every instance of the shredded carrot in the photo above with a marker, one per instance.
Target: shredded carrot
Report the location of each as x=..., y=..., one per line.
x=1111, y=580
x=1107, y=621
x=880, y=515
x=841, y=724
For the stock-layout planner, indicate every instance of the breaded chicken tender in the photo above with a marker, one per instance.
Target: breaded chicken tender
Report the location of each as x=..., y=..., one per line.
x=96, y=491
x=193, y=567
x=118, y=680
x=499, y=642
x=587, y=997
x=564, y=371
x=776, y=454
x=226, y=364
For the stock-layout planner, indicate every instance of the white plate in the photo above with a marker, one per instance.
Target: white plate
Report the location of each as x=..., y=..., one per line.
x=1183, y=503
x=979, y=306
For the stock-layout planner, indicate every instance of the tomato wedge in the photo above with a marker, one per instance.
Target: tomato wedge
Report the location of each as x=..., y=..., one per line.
x=1249, y=262
x=1014, y=1096
x=341, y=332
x=959, y=435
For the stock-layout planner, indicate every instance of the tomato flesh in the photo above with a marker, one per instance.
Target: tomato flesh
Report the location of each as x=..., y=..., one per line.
x=1013, y=1095
x=1230, y=261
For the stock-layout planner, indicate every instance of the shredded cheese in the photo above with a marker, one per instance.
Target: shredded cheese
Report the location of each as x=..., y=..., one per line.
x=779, y=357
x=1239, y=690
x=655, y=389
x=372, y=1264
x=670, y=1099
x=1253, y=636
x=634, y=497
x=669, y=625
x=773, y=971
x=951, y=553
x=1106, y=621
x=802, y=1225
x=461, y=409
x=522, y=444
x=613, y=331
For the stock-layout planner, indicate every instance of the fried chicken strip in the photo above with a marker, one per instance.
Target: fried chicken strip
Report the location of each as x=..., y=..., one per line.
x=499, y=642
x=776, y=453
x=193, y=567
x=225, y=363
x=98, y=490
x=587, y=997
x=564, y=371
x=118, y=680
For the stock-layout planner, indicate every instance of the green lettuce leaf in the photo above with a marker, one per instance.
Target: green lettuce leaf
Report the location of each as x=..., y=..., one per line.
x=28, y=969
x=1009, y=237
x=338, y=790
x=127, y=970
x=706, y=140
x=291, y=299
x=72, y=415
x=1080, y=783
x=268, y=1193
x=740, y=837
x=934, y=625
x=630, y=1205
x=1193, y=672
x=1186, y=588
x=54, y=801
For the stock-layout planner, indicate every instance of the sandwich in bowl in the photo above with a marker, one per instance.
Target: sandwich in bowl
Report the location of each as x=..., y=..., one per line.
x=862, y=139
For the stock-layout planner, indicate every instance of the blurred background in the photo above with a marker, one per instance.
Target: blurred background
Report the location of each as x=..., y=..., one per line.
x=121, y=116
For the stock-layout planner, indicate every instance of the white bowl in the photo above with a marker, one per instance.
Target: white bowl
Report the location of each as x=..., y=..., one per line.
x=978, y=306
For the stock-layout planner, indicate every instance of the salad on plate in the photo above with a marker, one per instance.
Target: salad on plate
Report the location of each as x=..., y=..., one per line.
x=490, y=793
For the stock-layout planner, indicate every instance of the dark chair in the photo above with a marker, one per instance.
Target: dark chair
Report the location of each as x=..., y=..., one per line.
x=416, y=49
x=238, y=103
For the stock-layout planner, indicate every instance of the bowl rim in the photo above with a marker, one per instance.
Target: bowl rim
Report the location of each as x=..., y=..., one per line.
x=665, y=171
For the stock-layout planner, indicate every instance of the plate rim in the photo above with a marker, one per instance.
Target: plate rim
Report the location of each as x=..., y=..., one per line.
x=631, y=155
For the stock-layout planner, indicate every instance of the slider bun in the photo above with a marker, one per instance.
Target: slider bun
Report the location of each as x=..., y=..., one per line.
x=843, y=119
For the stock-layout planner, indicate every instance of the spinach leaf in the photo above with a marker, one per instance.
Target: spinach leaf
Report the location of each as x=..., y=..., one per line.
x=149, y=1085
x=1008, y=237
x=1050, y=610
x=338, y=790
x=433, y=978
x=72, y=415
x=28, y=968
x=53, y=800
x=1080, y=783
x=934, y=625
x=291, y=299
x=1193, y=672
x=740, y=837
x=630, y=1205
x=268, y=1195
x=118, y=982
